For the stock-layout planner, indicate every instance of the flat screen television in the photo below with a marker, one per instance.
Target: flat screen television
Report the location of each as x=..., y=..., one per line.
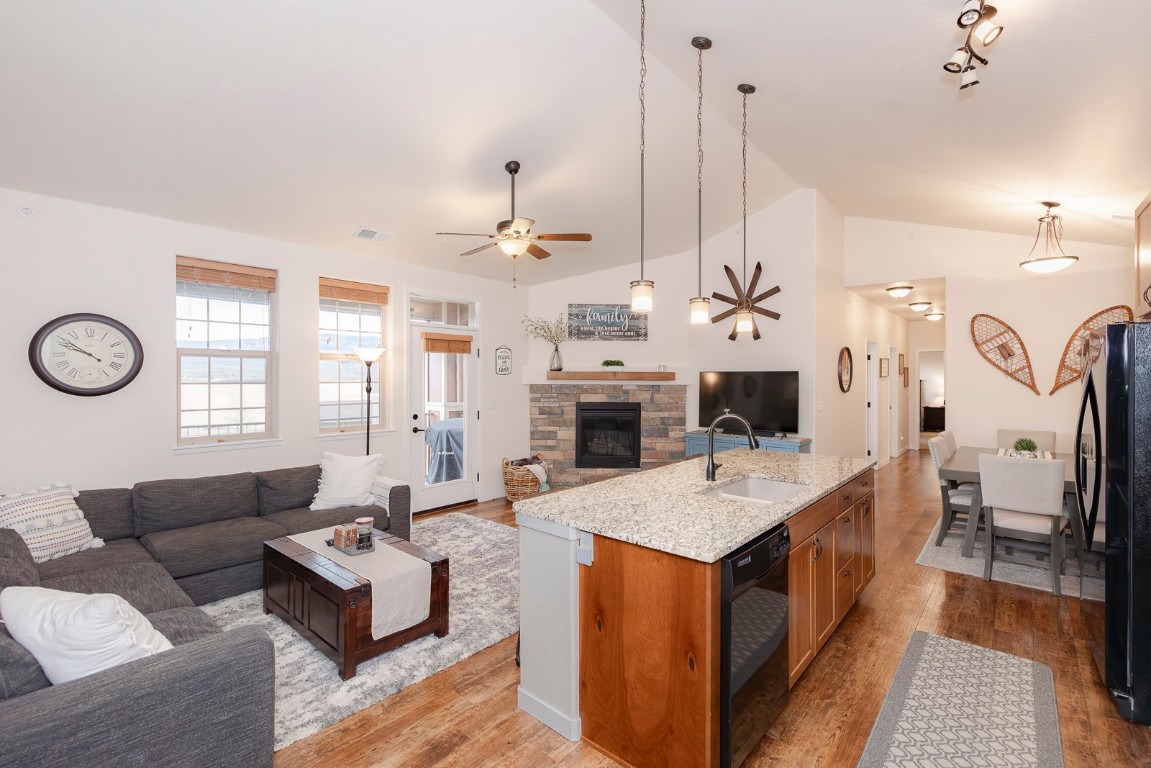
x=767, y=399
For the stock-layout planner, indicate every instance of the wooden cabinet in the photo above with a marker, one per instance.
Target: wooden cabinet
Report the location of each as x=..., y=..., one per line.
x=800, y=605
x=865, y=543
x=825, y=610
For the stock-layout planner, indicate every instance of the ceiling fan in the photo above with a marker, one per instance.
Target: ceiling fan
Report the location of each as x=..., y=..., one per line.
x=514, y=236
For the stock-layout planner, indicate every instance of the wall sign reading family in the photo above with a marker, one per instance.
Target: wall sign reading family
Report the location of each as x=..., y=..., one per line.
x=607, y=322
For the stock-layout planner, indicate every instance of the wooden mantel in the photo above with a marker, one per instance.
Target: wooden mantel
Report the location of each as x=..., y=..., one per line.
x=611, y=375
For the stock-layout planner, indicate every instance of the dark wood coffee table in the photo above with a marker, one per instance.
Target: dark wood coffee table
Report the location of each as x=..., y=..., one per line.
x=332, y=607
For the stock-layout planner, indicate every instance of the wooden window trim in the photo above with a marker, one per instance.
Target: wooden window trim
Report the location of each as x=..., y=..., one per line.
x=221, y=273
x=347, y=290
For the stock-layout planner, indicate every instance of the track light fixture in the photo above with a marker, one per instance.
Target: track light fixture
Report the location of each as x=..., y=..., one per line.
x=978, y=19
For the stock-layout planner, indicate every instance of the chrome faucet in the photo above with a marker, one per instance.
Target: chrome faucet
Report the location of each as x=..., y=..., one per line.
x=752, y=442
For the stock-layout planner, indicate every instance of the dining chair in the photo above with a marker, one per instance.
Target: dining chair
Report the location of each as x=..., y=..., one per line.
x=956, y=501
x=1044, y=440
x=952, y=447
x=1023, y=502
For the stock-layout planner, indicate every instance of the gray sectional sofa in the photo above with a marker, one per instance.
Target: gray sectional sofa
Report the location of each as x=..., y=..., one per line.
x=170, y=545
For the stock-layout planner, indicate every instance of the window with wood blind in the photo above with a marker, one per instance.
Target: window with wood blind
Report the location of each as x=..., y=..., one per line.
x=224, y=348
x=352, y=316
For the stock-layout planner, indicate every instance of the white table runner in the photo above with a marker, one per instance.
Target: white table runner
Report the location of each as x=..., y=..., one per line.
x=1015, y=454
x=401, y=583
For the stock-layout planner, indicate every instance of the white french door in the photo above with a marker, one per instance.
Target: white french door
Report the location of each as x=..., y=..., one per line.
x=442, y=423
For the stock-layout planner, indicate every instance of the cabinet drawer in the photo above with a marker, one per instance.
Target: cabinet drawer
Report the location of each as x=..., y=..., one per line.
x=846, y=496
x=804, y=524
x=844, y=538
x=864, y=484
x=845, y=589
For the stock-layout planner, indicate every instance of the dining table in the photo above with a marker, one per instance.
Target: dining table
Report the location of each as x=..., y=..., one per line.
x=963, y=467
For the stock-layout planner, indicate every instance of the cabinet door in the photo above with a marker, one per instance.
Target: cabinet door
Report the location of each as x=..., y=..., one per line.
x=865, y=558
x=845, y=589
x=801, y=619
x=826, y=614
x=845, y=538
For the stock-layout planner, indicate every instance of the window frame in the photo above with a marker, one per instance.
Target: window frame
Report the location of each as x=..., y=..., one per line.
x=349, y=292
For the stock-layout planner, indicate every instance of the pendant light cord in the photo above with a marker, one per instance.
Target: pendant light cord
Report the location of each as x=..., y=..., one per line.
x=745, y=189
x=642, y=118
x=699, y=171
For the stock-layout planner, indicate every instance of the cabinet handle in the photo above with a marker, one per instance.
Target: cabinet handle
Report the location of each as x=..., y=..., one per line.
x=599, y=624
x=846, y=496
x=818, y=550
x=846, y=520
x=846, y=574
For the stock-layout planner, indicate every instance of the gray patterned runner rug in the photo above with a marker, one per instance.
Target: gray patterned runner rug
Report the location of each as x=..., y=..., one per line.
x=953, y=704
x=483, y=608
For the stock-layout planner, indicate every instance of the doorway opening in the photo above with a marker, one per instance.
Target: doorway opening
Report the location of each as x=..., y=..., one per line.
x=931, y=395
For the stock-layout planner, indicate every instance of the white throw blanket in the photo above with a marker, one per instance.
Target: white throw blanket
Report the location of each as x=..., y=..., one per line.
x=401, y=583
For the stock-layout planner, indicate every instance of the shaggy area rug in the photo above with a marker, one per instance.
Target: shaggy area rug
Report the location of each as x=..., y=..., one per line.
x=947, y=557
x=483, y=608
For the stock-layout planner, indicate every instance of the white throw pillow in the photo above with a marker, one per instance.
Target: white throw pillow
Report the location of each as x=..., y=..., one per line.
x=74, y=635
x=49, y=521
x=346, y=481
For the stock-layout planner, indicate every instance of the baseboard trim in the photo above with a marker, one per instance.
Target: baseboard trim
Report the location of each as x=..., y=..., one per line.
x=565, y=726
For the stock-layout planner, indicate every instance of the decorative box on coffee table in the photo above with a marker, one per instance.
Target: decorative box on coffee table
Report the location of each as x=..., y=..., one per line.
x=332, y=607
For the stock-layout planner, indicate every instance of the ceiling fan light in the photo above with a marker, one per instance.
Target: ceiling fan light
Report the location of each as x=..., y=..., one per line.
x=899, y=291
x=700, y=310
x=641, y=295
x=954, y=65
x=744, y=321
x=514, y=247
x=934, y=317
x=971, y=13
x=920, y=306
x=1046, y=266
x=969, y=78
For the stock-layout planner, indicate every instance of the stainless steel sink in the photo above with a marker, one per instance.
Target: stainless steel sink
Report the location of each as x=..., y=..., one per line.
x=759, y=490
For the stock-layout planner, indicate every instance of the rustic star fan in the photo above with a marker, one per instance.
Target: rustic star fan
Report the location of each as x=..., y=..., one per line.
x=744, y=303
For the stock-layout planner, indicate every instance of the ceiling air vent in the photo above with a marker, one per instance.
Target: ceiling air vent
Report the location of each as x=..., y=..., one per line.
x=363, y=233
x=1122, y=217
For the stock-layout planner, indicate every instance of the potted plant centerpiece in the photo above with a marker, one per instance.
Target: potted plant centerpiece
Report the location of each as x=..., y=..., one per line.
x=612, y=365
x=1025, y=447
x=552, y=331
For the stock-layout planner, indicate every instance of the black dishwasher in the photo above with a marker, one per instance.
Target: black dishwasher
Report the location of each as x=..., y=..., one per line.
x=753, y=644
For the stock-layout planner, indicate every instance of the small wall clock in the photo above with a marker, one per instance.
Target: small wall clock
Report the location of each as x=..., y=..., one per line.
x=844, y=370
x=85, y=354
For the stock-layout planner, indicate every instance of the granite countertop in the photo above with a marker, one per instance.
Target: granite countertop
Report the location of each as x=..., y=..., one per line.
x=671, y=508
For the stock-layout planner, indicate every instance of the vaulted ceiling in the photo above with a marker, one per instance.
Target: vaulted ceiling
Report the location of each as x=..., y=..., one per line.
x=304, y=120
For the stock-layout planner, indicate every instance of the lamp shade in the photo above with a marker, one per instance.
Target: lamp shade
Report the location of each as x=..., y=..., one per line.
x=744, y=321
x=934, y=317
x=641, y=295
x=1050, y=231
x=899, y=291
x=369, y=354
x=513, y=248
x=971, y=13
x=969, y=78
x=987, y=31
x=1049, y=264
x=955, y=64
x=920, y=306
x=700, y=310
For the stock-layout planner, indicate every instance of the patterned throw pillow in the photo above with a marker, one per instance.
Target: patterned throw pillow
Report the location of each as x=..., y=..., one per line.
x=49, y=521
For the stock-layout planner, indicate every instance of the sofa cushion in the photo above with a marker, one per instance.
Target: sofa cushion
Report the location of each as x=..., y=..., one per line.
x=109, y=512
x=227, y=582
x=300, y=520
x=49, y=520
x=184, y=625
x=17, y=568
x=148, y=587
x=20, y=673
x=292, y=488
x=163, y=505
x=116, y=552
x=210, y=546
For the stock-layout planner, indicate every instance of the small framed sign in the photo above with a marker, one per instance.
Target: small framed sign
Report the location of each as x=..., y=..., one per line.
x=606, y=322
x=503, y=360
x=884, y=367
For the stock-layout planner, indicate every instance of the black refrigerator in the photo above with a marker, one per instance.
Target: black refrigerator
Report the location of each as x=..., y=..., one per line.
x=1127, y=537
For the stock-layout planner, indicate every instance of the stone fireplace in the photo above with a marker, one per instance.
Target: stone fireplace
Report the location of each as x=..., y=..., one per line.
x=557, y=410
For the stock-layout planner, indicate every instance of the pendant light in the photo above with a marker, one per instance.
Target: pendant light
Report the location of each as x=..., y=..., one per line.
x=700, y=304
x=1053, y=258
x=744, y=303
x=641, y=290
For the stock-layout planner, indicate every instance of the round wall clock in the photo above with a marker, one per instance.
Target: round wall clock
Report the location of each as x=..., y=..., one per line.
x=85, y=354
x=845, y=369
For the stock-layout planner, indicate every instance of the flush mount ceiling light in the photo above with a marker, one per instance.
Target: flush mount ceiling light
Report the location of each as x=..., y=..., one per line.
x=1053, y=258
x=978, y=19
x=642, y=290
x=934, y=317
x=700, y=304
x=899, y=291
x=919, y=306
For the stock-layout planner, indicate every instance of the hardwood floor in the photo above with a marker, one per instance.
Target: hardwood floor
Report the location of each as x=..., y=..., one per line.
x=467, y=715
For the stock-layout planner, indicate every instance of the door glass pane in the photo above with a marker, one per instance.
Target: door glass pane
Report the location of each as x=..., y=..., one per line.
x=444, y=408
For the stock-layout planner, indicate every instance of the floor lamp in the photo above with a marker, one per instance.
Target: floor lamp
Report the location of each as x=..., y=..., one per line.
x=369, y=355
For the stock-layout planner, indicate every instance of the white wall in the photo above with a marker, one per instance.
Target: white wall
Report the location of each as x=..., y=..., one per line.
x=779, y=235
x=74, y=257
x=982, y=276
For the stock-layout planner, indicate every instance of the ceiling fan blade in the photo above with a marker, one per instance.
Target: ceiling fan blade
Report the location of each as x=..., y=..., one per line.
x=755, y=335
x=734, y=283
x=765, y=312
x=765, y=294
x=570, y=237
x=538, y=252
x=754, y=279
x=483, y=247
x=521, y=226
x=465, y=234
x=724, y=315
x=721, y=297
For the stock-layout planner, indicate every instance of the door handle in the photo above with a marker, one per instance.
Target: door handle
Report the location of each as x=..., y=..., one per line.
x=417, y=429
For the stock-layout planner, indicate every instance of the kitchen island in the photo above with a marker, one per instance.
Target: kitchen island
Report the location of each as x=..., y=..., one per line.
x=623, y=648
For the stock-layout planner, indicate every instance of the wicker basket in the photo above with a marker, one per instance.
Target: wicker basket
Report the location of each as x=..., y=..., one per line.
x=520, y=481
